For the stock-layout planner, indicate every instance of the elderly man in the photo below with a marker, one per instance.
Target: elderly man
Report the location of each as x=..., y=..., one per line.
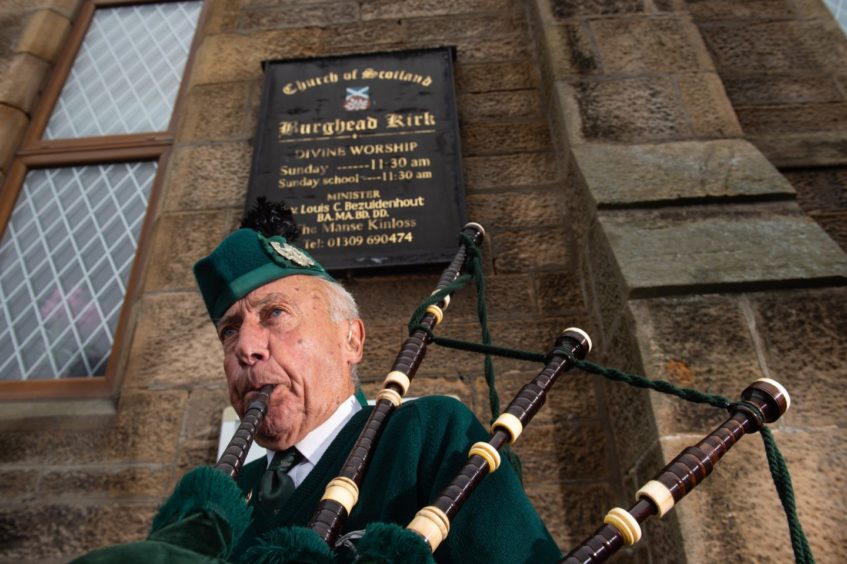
x=283, y=320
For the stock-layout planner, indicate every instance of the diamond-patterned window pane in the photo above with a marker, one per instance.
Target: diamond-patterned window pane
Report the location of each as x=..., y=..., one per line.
x=63, y=277
x=126, y=75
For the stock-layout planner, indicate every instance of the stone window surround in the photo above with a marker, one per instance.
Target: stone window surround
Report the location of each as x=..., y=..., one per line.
x=44, y=54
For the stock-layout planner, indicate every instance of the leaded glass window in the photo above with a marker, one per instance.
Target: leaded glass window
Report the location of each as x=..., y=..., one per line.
x=127, y=73
x=73, y=210
x=64, y=263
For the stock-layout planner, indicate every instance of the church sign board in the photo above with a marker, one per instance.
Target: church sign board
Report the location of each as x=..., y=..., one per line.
x=365, y=151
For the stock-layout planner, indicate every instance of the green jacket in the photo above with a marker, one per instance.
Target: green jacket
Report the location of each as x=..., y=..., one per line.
x=422, y=448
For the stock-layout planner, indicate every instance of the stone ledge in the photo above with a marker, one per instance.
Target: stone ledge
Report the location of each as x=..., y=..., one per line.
x=67, y=414
x=683, y=254
x=621, y=175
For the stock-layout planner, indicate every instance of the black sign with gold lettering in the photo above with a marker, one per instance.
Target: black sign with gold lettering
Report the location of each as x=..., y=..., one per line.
x=365, y=150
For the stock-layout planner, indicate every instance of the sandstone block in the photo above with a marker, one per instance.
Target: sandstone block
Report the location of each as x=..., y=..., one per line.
x=632, y=422
x=699, y=342
x=814, y=459
x=533, y=208
x=105, y=482
x=708, y=108
x=782, y=90
x=455, y=29
x=563, y=9
x=552, y=453
x=52, y=532
x=805, y=349
x=44, y=35
x=499, y=105
x=704, y=252
x=606, y=286
x=194, y=453
x=222, y=17
x=231, y=58
x=805, y=149
x=65, y=7
x=518, y=251
x=219, y=111
x=22, y=82
x=524, y=169
x=13, y=123
x=566, y=118
x=571, y=511
x=388, y=9
x=630, y=110
x=819, y=189
x=261, y=18
x=503, y=47
x=174, y=344
x=504, y=137
x=568, y=50
x=203, y=411
x=208, y=176
x=835, y=225
x=485, y=77
x=559, y=292
x=729, y=10
x=366, y=35
x=635, y=46
x=11, y=26
x=382, y=344
x=181, y=240
x=772, y=46
x=793, y=119
x=145, y=431
x=626, y=174
x=17, y=485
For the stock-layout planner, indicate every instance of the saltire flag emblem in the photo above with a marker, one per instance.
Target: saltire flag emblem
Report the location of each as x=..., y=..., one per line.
x=357, y=99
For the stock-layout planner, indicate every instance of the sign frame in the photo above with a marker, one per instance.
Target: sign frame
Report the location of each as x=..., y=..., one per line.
x=407, y=205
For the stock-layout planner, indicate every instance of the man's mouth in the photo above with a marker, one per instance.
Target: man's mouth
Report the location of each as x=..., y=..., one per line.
x=257, y=392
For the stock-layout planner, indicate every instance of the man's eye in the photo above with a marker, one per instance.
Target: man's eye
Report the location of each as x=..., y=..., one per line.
x=228, y=332
x=276, y=312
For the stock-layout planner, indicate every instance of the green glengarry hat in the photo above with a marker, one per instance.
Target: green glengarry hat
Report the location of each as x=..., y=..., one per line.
x=246, y=260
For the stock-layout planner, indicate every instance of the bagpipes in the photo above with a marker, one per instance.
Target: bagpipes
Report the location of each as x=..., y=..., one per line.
x=764, y=401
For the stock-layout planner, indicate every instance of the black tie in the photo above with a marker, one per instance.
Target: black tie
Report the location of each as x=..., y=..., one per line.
x=276, y=485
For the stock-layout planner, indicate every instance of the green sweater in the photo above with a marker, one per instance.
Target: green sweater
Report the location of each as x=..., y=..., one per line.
x=422, y=448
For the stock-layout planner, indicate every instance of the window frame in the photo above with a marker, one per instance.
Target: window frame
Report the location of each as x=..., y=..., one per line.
x=34, y=153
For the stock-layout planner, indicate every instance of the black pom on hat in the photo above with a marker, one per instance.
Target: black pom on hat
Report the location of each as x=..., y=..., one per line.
x=271, y=219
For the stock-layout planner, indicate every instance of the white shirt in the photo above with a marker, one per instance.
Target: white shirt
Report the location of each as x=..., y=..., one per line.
x=314, y=445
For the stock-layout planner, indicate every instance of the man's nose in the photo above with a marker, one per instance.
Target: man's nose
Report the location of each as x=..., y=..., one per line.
x=252, y=344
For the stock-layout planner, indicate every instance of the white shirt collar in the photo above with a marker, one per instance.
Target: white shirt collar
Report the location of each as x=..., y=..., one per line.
x=314, y=445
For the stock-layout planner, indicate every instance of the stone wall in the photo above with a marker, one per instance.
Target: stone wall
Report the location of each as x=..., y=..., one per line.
x=702, y=268
x=782, y=64
x=76, y=489
x=610, y=169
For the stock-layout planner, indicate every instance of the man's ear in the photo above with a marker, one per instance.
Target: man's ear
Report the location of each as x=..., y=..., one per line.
x=356, y=340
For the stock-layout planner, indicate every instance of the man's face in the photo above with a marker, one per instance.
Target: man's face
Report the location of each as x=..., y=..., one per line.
x=282, y=333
